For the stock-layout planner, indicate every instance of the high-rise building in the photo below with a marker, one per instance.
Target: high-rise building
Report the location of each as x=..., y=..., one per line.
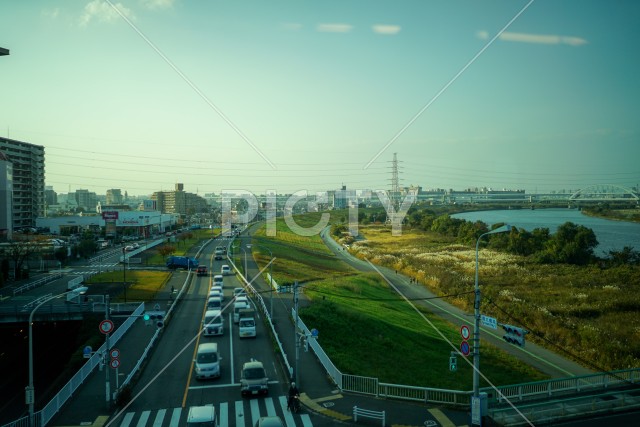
x=114, y=196
x=6, y=204
x=50, y=196
x=179, y=201
x=27, y=162
x=88, y=200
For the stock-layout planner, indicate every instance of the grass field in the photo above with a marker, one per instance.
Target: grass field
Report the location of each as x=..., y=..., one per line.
x=588, y=313
x=142, y=284
x=366, y=328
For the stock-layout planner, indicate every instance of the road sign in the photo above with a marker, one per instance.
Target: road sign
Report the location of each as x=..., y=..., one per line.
x=465, y=332
x=28, y=395
x=314, y=333
x=86, y=352
x=106, y=326
x=489, y=322
x=464, y=348
x=115, y=353
x=114, y=363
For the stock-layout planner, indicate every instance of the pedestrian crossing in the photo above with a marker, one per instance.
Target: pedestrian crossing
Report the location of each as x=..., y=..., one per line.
x=241, y=413
x=103, y=267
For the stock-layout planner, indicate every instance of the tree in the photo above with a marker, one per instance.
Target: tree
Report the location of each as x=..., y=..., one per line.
x=20, y=250
x=166, y=250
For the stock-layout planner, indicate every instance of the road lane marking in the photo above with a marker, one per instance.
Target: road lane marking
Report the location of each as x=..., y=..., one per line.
x=441, y=417
x=239, y=414
x=127, y=419
x=288, y=417
x=223, y=418
x=142, y=421
x=306, y=420
x=157, y=422
x=175, y=417
x=271, y=409
x=255, y=411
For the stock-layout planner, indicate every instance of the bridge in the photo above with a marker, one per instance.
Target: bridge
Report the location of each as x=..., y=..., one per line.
x=604, y=193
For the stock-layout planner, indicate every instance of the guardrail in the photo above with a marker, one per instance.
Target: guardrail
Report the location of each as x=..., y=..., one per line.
x=562, y=386
x=543, y=413
x=45, y=415
x=368, y=413
x=36, y=283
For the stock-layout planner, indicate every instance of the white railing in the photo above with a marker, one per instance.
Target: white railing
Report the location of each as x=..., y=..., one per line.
x=36, y=283
x=45, y=415
x=368, y=413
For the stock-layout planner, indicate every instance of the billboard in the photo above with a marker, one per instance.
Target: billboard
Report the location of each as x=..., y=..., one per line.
x=110, y=215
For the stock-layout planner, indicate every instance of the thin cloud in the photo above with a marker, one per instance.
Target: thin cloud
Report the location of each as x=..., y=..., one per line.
x=334, y=28
x=292, y=26
x=386, y=29
x=51, y=13
x=535, y=38
x=103, y=12
x=158, y=4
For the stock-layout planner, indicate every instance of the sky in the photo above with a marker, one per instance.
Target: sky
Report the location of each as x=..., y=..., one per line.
x=290, y=96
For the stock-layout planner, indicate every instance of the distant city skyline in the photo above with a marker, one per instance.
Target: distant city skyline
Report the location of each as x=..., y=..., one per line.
x=141, y=94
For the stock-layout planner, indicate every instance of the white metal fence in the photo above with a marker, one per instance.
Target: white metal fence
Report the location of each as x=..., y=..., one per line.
x=46, y=414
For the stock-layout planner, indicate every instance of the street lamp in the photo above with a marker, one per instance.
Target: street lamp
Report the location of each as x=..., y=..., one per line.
x=245, y=263
x=270, y=280
x=476, y=407
x=124, y=272
x=30, y=391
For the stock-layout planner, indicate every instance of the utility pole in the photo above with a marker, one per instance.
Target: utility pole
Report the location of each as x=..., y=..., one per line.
x=295, y=331
x=104, y=359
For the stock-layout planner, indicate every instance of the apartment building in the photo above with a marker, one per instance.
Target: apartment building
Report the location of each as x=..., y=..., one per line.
x=27, y=162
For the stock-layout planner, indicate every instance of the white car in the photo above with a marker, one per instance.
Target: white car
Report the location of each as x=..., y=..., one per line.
x=225, y=270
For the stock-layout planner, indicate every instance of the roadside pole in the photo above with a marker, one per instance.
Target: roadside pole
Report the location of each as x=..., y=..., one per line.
x=106, y=366
x=295, y=332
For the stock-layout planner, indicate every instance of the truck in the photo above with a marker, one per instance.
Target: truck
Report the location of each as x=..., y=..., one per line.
x=247, y=323
x=175, y=262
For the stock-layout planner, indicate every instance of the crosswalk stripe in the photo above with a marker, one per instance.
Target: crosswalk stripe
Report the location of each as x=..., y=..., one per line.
x=143, y=418
x=175, y=417
x=306, y=420
x=288, y=416
x=271, y=410
x=239, y=414
x=157, y=422
x=255, y=411
x=127, y=419
x=223, y=417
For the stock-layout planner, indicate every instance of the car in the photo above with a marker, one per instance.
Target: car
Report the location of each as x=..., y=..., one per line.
x=225, y=270
x=239, y=291
x=216, y=294
x=202, y=416
x=129, y=248
x=202, y=270
x=269, y=422
x=218, y=279
x=253, y=379
x=207, y=361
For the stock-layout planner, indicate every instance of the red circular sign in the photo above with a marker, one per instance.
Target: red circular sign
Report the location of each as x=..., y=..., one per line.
x=465, y=332
x=114, y=363
x=106, y=326
x=114, y=353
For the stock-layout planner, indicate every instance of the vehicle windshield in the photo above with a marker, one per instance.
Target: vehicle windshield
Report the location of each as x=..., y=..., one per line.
x=247, y=323
x=207, y=357
x=254, y=373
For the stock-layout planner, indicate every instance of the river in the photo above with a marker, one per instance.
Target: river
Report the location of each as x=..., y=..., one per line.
x=611, y=235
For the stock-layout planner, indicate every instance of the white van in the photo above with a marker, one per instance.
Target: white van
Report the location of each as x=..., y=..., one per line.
x=202, y=416
x=225, y=270
x=208, y=361
x=218, y=279
x=237, y=307
x=213, y=323
x=214, y=303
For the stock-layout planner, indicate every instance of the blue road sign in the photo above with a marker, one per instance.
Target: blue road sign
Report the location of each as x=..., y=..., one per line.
x=464, y=348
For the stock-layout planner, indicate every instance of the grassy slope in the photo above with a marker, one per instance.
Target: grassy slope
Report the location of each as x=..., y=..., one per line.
x=367, y=329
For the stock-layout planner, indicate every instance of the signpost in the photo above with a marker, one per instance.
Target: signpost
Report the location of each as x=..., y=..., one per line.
x=489, y=322
x=106, y=326
x=86, y=352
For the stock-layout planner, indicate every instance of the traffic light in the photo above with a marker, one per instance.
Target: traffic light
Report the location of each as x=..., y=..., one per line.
x=514, y=335
x=156, y=317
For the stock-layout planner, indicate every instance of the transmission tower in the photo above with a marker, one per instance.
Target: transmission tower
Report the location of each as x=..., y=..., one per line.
x=394, y=196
